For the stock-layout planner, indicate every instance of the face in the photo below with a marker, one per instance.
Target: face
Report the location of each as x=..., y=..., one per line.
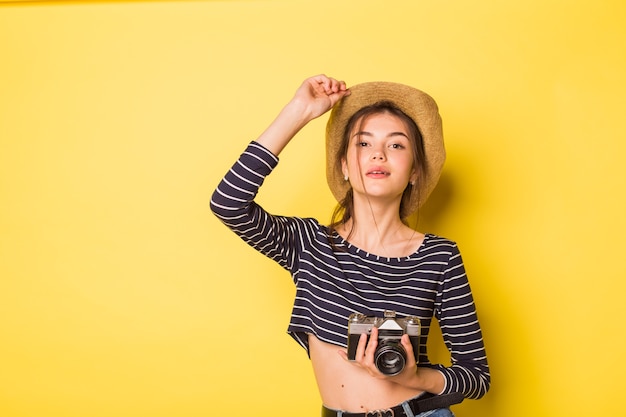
x=379, y=159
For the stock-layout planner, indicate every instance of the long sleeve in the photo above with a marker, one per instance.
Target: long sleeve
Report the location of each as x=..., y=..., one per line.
x=233, y=203
x=456, y=312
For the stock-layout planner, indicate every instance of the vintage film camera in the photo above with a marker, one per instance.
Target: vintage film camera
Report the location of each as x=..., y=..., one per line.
x=389, y=357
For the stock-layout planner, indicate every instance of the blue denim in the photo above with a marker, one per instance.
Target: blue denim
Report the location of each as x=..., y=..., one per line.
x=440, y=412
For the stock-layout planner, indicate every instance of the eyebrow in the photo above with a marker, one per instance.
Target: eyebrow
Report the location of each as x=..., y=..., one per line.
x=392, y=134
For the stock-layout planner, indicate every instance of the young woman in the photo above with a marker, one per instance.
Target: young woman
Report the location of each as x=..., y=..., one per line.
x=385, y=152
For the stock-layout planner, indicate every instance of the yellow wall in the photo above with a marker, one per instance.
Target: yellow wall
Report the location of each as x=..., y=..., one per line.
x=121, y=295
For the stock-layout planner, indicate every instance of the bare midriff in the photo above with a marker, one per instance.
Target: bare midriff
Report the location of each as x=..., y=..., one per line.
x=345, y=386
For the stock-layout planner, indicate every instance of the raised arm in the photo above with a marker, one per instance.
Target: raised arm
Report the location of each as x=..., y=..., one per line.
x=233, y=199
x=313, y=98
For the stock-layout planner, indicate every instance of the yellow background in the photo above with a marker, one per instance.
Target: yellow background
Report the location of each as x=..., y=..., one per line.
x=121, y=295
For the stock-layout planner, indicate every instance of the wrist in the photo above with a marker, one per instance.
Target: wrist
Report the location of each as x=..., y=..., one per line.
x=423, y=379
x=299, y=111
x=431, y=380
x=289, y=121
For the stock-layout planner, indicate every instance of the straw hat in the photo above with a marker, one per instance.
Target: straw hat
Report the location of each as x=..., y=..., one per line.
x=416, y=104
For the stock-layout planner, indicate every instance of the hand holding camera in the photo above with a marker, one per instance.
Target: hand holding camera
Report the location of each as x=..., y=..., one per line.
x=384, y=336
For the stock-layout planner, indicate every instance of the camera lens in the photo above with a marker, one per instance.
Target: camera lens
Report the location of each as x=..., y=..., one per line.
x=390, y=357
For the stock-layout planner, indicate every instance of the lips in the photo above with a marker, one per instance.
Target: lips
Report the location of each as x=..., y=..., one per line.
x=377, y=172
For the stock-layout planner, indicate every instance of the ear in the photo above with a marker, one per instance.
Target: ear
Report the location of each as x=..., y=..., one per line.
x=414, y=177
x=344, y=167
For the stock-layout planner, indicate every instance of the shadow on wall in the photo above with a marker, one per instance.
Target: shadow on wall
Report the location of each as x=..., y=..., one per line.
x=433, y=213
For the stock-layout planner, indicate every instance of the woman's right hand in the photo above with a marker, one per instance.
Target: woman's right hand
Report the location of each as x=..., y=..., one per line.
x=319, y=94
x=313, y=98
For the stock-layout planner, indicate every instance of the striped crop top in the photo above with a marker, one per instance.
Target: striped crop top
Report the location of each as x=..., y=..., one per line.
x=333, y=281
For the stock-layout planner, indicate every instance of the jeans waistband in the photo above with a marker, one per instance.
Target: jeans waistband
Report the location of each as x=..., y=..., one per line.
x=409, y=408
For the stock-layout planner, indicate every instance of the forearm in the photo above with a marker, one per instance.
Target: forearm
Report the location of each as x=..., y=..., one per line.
x=293, y=117
x=313, y=98
x=423, y=379
x=472, y=380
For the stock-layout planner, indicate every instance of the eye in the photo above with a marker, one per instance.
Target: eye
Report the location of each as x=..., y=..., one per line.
x=361, y=143
x=397, y=146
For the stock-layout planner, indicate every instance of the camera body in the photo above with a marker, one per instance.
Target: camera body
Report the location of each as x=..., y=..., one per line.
x=390, y=356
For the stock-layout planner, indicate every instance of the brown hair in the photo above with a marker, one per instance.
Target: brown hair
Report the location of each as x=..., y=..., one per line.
x=344, y=210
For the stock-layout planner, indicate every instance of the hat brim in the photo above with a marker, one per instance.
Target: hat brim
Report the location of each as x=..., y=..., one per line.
x=416, y=104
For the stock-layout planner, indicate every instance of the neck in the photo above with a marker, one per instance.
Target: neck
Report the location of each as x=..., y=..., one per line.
x=383, y=213
x=376, y=227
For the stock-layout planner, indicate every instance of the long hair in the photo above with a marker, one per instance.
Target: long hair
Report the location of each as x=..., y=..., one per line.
x=344, y=210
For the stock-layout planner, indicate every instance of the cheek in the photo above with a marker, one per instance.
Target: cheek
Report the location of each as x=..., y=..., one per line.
x=351, y=161
x=405, y=165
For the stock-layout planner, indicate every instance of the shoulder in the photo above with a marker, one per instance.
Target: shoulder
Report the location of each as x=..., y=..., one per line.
x=441, y=250
x=305, y=226
x=434, y=242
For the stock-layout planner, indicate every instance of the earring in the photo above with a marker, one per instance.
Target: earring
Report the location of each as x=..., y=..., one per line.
x=346, y=178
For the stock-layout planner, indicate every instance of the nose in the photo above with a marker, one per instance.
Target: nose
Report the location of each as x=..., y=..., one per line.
x=378, y=155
